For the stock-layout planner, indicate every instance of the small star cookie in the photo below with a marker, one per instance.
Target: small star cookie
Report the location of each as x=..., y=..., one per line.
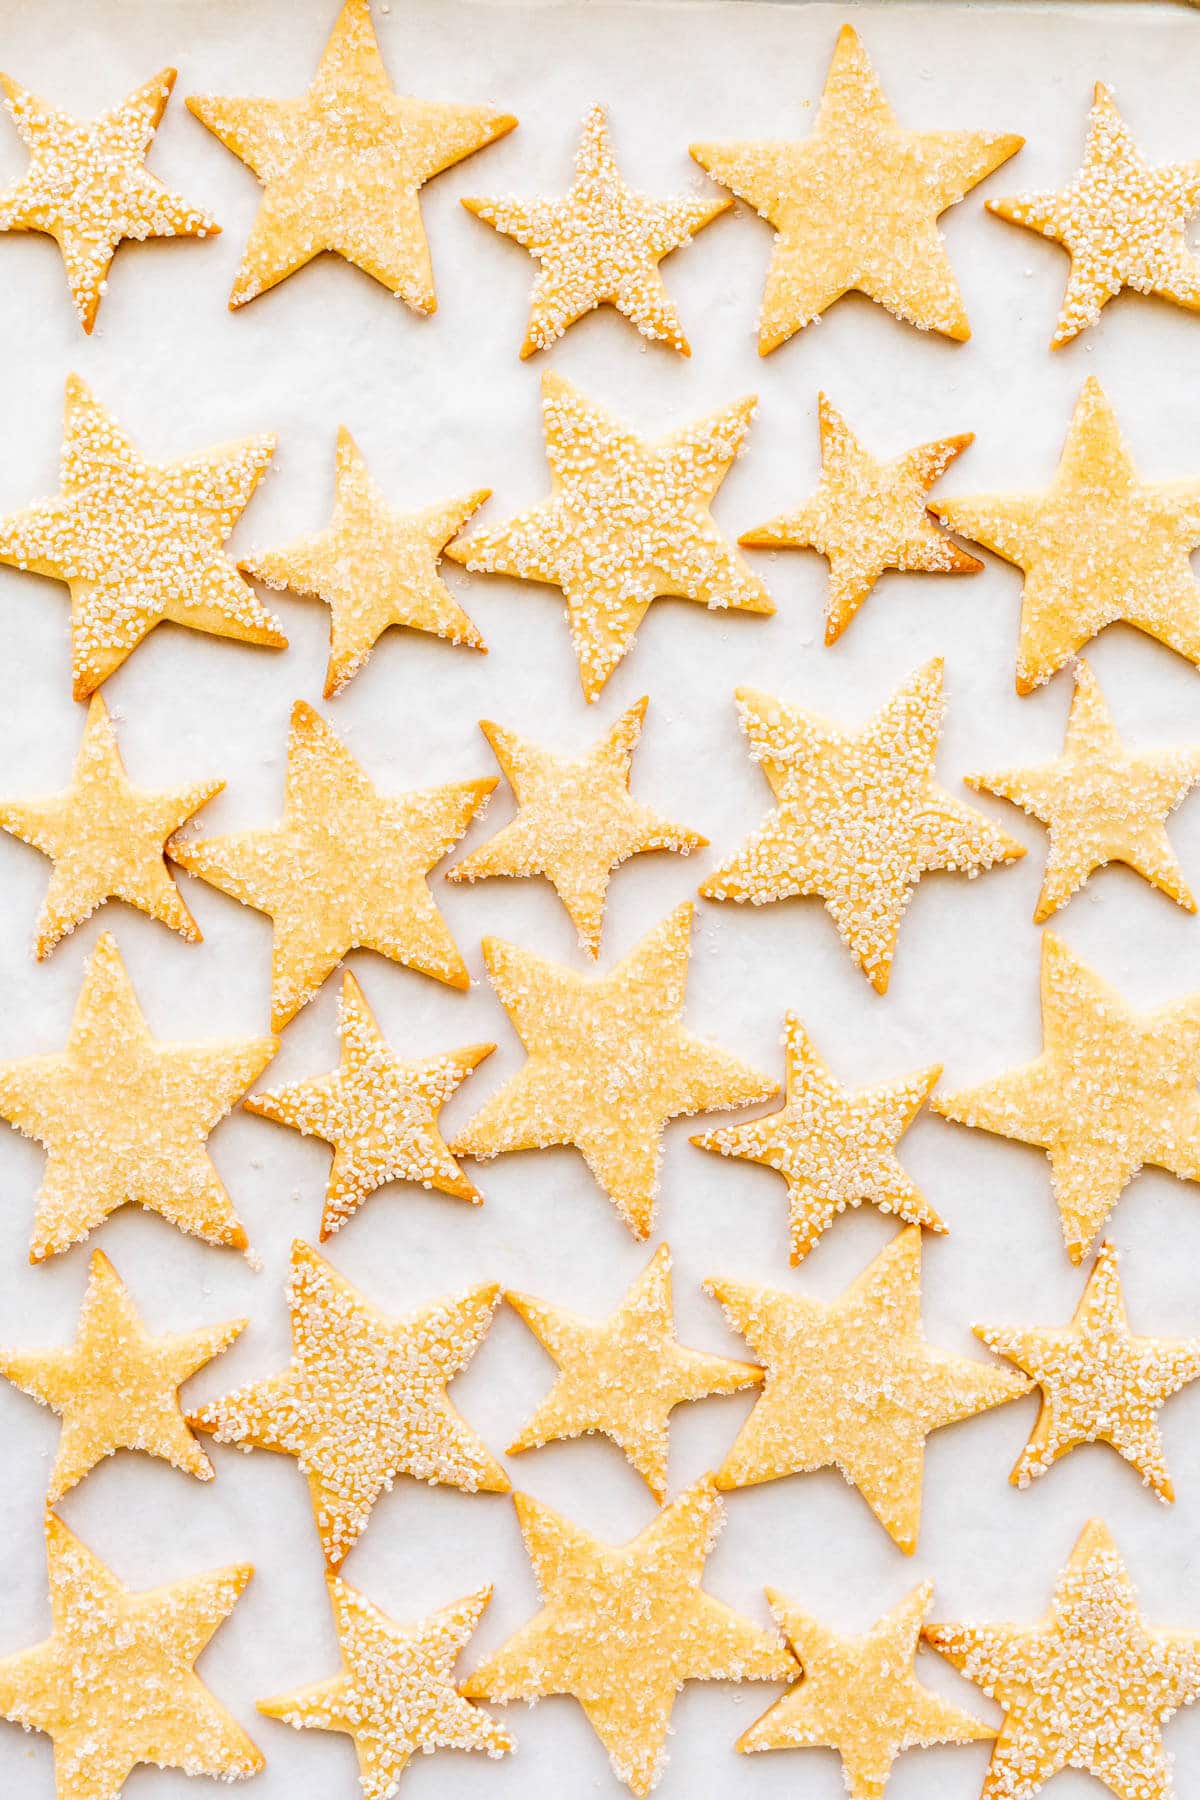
x=862, y=860
x=853, y=1385
x=343, y=166
x=609, y=1064
x=576, y=820
x=623, y=1626
x=626, y=522
x=855, y=204
x=123, y=1116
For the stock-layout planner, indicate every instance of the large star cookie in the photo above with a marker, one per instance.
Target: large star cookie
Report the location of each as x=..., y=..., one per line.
x=344, y=869
x=623, y=1626
x=626, y=522
x=139, y=542
x=853, y=1385
x=576, y=820
x=609, y=1063
x=1113, y=1090
x=343, y=166
x=364, y=1398
x=123, y=1116
x=855, y=204
x=862, y=860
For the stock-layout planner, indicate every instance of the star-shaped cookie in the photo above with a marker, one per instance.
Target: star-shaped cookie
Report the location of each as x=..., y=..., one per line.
x=609, y=1063
x=600, y=245
x=1112, y=1091
x=623, y=1626
x=834, y=1148
x=625, y=1374
x=87, y=185
x=855, y=204
x=379, y=1114
x=345, y=868
x=862, y=860
x=576, y=820
x=139, y=542
x=868, y=516
x=396, y=1693
x=117, y=1388
x=1087, y=1687
x=123, y=1116
x=106, y=838
x=1099, y=544
x=626, y=522
x=343, y=166
x=853, y=1385
x=364, y=1398
x=114, y=1684
x=860, y=1695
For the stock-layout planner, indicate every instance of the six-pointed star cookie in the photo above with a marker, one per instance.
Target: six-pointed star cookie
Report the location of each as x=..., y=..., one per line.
x=860, y=1695
x=625, y=1374
x=396, y=1693
x=626, y=522
x=123, y=1116
x=853, y=1385
x=623, y=1626
x=139, y=542
x=117, y=1388
x=1099, y=544
x=576, y=820
x=862, y=860
x=855, y=204
x=868, y=516
x=379, y=1114
x=609, y=1063
x=833, y=1148
x=600, y=245
x=343, y=166
x=1087, y=1687
x=344, y=869
x=1112, y=1091
x=364, y=1398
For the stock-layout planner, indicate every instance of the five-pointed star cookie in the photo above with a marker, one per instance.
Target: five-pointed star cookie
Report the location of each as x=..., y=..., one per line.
x=576, y=820
x=1087, y=1687
x=625, y=1374
x=853, y=1385
x=1121, y=223
x=379, y=1114
x=364, y=1398
x=1100, y=803
x=855, y=204
x=114, y=1684
x=139, y=542
x=106, y=838
x=117, y=1388
x=344, y=869
x=623, y=1626
x=1112, y=1091
x=860, y=1695
x=862, y=860
x=609, y=1063
x=123, y=1116
x=343, y=166
x=626, y=522
x=87, y=185
x=1099, y=544
x=373, y=567
x=396, y=1693
x=600, y=245
x=868, y=516
x=834, y=1148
